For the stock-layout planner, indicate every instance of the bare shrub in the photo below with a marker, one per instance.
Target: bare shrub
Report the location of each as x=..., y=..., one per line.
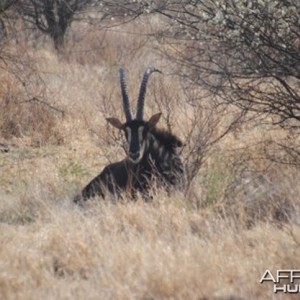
x=21, y=119
x=24, y=108
x=244, y=187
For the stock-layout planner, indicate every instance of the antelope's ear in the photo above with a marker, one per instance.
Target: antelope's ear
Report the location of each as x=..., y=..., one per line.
x=115, y=122
x=154, y=119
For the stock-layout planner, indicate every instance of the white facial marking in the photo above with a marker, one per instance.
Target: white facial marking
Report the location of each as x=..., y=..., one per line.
x=135, y=161
x=142, y=150
x=141, y=141
x=141, y=153
x=140, y=134
x=128, y=130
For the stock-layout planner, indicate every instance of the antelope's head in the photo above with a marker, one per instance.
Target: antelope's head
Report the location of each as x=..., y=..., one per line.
x=136, y=130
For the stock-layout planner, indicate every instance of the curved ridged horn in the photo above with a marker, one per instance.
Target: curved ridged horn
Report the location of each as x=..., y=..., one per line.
x=126, y=105
x=141, y=99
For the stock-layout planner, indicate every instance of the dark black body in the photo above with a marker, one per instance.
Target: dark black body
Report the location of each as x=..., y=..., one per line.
x=160, y=164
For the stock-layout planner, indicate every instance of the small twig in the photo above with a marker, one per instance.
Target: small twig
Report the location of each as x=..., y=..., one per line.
x=34, y=99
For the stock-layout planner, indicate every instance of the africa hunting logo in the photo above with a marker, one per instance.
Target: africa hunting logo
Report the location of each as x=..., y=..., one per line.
x=285, y=281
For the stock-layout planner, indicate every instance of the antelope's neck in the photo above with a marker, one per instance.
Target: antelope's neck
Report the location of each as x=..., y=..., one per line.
x=156, y=151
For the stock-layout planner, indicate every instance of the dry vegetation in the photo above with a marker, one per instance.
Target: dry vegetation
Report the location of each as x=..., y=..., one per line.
x=238, y=218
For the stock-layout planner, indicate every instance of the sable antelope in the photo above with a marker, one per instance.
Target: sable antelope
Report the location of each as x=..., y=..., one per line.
x=151, y=153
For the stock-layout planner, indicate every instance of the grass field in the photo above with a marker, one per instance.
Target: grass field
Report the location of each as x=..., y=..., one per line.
x=239, y=217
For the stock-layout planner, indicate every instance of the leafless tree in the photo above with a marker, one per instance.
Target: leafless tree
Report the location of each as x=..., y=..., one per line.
x=51, y=17
x=247, y=53
x=54, y=17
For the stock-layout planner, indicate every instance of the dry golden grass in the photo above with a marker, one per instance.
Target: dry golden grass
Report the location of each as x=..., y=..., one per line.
x=135, y=250
x=239, y=218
